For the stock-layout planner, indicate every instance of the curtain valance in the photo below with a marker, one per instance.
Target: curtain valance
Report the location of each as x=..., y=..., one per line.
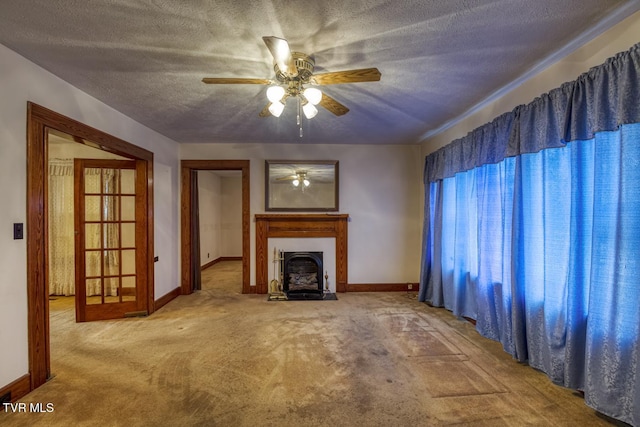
x=601, y=99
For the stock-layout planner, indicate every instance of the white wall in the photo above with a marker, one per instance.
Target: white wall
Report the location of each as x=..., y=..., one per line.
x=22, y=81
x=231, y=225
x=209, y=202
x=617, y=39
x=220, y=202
x=380, y=188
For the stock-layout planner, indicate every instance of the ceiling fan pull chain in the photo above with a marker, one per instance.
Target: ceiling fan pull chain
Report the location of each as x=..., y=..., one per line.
x=298, y=117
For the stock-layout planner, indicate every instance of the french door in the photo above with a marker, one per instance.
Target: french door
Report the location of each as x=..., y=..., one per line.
x=110, y=246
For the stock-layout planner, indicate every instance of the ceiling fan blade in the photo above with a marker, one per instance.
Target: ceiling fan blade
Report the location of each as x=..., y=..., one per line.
x=349, y=76
x=281, y=52
x=332, y=105
x=265, y=111
x=237, y=81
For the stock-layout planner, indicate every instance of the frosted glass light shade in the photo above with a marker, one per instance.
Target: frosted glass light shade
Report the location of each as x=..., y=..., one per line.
x=276, y=108
x=309, y=110
x=313, y=95
x=306, y=182
x=275, y=93
x=296, y=182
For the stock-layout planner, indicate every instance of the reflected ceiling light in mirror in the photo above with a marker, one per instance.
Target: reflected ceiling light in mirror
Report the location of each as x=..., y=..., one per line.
x=301, y=177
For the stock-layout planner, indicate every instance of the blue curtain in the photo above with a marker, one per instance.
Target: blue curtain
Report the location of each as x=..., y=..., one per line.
x=532, y=227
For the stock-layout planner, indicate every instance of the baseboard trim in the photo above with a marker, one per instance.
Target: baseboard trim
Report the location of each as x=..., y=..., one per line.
x=222, y=258
x=18, y=389
x=382, y=287
x=165, y=299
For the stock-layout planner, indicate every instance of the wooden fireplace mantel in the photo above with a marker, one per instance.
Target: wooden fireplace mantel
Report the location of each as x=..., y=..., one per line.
x=300, y=226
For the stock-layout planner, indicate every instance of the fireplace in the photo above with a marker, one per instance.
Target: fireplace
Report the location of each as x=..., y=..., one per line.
x=300, y=226
x=302, y=275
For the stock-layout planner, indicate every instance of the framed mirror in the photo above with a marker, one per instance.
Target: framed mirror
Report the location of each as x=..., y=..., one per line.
x=301, y=185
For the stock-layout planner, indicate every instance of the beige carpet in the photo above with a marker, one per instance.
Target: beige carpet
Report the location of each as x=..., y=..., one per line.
x=220, y=358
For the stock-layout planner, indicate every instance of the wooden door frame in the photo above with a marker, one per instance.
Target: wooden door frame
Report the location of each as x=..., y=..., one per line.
x=39, y=121
x=187, y=167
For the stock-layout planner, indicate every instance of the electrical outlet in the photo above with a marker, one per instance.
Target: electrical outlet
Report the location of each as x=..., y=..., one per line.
x=409, y=286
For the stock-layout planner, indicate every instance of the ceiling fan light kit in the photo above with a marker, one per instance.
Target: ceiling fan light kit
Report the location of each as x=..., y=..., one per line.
x=293, y=70
x=276, y=108
x=275, y=93
x=309, y=110
x=313, y=95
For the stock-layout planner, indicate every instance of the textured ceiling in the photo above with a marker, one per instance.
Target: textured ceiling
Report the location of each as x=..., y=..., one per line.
x=438, y=58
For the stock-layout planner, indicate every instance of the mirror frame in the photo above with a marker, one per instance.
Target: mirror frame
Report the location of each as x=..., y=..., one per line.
x=270, y=165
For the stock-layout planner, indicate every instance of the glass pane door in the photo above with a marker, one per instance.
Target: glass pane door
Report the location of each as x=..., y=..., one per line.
x=106, y=250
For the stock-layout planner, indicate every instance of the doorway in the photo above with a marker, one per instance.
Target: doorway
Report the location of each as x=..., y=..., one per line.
x=40, y=122
x=91, y=231
x=190, y=258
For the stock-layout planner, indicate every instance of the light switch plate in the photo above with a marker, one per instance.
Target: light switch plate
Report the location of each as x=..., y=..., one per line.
x=18, y=231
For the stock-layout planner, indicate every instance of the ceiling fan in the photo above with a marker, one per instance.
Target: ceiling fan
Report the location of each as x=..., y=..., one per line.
x=294, y=71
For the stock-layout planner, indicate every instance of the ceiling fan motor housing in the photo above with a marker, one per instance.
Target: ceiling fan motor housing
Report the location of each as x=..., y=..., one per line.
x=304, y=64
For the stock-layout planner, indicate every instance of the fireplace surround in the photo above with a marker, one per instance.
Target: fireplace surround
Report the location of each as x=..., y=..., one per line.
x=300, y=226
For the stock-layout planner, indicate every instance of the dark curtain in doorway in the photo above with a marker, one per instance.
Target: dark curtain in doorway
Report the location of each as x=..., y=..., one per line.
x=196, y=278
